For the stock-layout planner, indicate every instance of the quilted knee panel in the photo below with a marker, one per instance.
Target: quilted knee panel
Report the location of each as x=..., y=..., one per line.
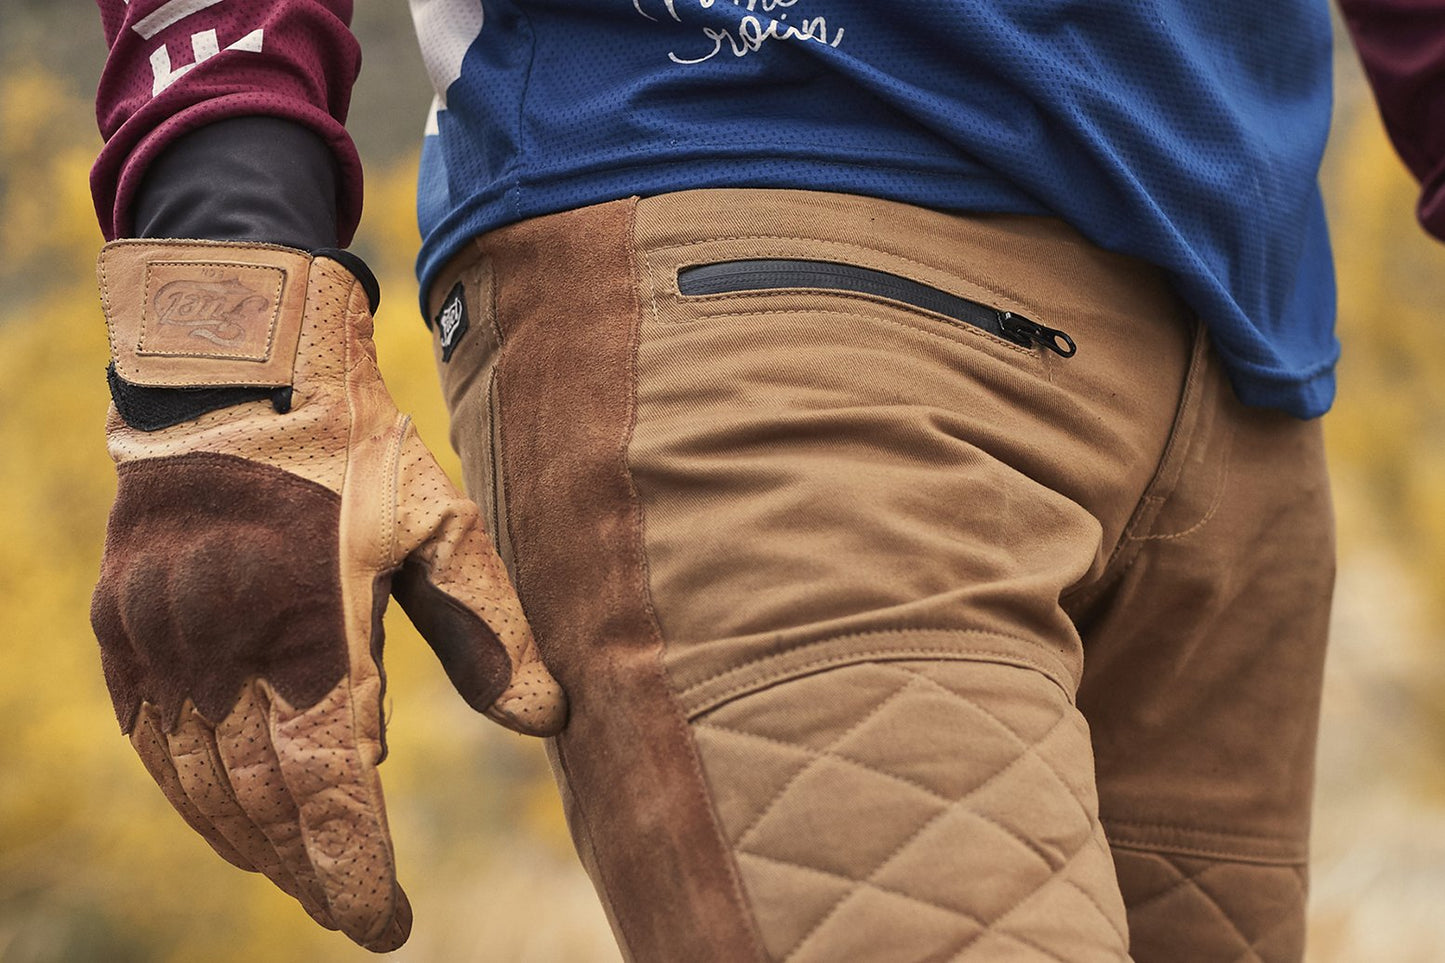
x=1185, y=909
x=939, y=810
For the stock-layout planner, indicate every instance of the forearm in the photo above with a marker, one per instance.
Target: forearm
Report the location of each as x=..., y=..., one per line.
x=1402, y=46
x=227, y=121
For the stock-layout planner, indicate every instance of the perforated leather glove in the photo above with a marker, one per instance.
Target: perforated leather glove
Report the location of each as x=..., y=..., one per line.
x=270, y=499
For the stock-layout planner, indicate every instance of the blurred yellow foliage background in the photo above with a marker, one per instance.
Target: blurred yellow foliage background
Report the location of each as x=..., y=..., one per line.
x=95, y=866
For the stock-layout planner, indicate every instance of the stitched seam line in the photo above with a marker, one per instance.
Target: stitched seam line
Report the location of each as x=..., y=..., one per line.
x=1126, y=551
x=233, y=463
x=677, y=717
x=105, y=301
x=1195, y=830
x=270, y=329
x=393, y=488
x=1213, y=507
x=1051, y=673
x=267, y=360
x=1206, y=853
x=876, y=655
x=372, y=787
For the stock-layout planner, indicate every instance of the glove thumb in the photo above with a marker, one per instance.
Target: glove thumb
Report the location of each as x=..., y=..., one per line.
x=456, y=592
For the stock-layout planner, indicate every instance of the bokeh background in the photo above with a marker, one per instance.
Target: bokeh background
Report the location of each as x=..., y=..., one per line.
x=95, y=866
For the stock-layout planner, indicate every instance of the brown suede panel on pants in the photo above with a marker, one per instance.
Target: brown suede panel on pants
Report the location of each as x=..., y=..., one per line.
x=631, y=778
x=834, y=582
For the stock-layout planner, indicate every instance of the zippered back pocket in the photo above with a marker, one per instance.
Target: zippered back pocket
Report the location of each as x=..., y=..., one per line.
x=770, y=274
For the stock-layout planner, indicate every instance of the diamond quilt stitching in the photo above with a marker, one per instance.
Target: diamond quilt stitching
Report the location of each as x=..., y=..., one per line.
x=1179, y=884
x=843, y=818
x=1298, y=877
x=911, y=783
x=1028, y=746
x=1023, y=753
x=827, y=754
x=921, y=831
x=782, y=793
x=997, y=925
x=1250, y=950
x=1119, y=931
x=1193, y=882
x=869, y=884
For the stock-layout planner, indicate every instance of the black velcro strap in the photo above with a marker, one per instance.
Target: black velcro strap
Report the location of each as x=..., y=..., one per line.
x=150, y=409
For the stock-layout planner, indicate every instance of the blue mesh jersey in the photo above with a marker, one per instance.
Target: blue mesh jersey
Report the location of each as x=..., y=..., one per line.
x=1187, y=133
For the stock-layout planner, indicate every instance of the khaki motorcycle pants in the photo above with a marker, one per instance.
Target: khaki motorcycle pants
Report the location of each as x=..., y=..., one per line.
x=891, y=632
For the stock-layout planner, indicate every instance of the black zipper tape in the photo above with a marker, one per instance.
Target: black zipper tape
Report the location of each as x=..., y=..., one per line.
x=768, y=274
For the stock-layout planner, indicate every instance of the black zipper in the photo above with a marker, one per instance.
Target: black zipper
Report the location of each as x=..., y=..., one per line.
x=765, y=274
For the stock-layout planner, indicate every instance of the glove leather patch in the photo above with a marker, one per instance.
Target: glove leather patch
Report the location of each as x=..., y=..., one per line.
x=210, y=310
x=203, y=314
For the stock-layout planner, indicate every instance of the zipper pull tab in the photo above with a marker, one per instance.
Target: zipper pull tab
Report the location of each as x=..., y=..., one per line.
x=1020, y=330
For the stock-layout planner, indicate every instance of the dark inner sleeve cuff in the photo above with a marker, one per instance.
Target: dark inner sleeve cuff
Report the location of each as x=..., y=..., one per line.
x=242, y=179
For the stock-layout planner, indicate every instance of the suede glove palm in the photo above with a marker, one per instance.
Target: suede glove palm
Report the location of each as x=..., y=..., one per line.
x=270, y=499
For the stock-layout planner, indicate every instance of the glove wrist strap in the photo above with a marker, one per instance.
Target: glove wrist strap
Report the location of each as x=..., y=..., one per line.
x=203, y=314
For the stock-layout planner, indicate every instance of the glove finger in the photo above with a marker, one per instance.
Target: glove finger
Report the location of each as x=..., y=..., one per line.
x=342, y=817
x=148, y=738
x=204, y=779
x=243, y=744
x=456, y=591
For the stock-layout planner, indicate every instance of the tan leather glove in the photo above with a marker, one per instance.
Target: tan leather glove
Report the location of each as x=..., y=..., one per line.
x=271, y=497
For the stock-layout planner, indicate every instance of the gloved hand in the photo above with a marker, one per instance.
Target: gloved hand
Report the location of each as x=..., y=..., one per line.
x=270, y=498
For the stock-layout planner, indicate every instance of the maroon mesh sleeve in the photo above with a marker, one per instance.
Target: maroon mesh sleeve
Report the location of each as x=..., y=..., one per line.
x=1402, y=45
x=176, y=65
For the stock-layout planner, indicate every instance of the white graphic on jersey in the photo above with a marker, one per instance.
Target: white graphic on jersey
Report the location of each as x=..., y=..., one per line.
x=204, y=46
x=752, y=32
x=167, y=14
x=446, y=30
